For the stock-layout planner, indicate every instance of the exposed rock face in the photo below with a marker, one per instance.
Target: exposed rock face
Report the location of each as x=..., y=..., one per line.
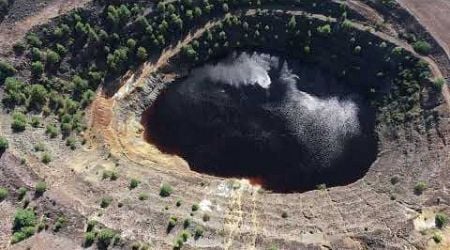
x=250, y=116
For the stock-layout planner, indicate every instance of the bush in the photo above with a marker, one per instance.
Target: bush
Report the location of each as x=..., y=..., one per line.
x=89, y=239
x=52, y=57
x=71, y=142
x=439, y=83
x=172, y=223
x=437, y=238
x=21, y=192
x=441, y=220
x=143, y=196
x=3, y=144
x=3, y=193
x=142, y=54
x=46, y=158
x=40, y=187
x=52, y=131
x=112, y=175
x=19, y=122
x=284, y=215
x=90, y=225
x=422, y=47
x=198, y=232
x=33, y=40
x=195, y=207
x=105, y=237
x=186, y=223
x=206, y=217
x=106, y=201
x=23, y=225
x=134, y=183
x=165, y=190
x=6, y=70
x=37, y=68
x=420, y=187
x=35, y=121
x=59, y=223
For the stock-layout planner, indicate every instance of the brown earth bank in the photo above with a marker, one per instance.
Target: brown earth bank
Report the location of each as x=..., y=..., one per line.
x=375, y=212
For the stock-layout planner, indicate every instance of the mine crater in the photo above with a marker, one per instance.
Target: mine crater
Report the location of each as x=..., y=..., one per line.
x=287, y=124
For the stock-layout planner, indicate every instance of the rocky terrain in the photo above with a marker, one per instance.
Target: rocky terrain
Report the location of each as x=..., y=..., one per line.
x=102, y=184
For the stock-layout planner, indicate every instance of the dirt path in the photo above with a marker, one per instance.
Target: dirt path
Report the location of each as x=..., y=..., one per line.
x=10, y=33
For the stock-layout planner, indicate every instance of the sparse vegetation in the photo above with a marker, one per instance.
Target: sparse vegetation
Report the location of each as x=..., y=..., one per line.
x=22, y=191
x=46, y=158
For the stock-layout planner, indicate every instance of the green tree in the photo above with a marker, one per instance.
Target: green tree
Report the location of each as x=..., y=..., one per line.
x=142, y=54
x=53, y=58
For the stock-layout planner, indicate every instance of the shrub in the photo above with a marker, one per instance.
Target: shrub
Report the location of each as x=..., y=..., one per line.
x=143, y=196
x=36, y=54
x=46, y=158
x=437, y=238
x=71, y=142
x=3, y=144
x=195, y=207
x=52, y=131
x=39, y=147
x=186, y=223
x=441, y=220
x=37, y=68
x=422, y=47
x=134, y=183
x=90, y=225
x=105, y=237
x=52, y=57
x=23, y=225
x=142, y=54
x=89, y=239
x=112, y=175
x=178, y=204
x=21, y=192
x=19, y=122
x=19, y=47
x=165, y=190
x=395, y=180
x=420, y=187
x=172, y=223
x=40, y=187
x=35, y=121
x=106, y=201
x=33, y=40
x=6, y=70
x=206, y=217
x=439, y=83
x=3, y=193
x=284, y=215
x=59, y=223
x=198, y=232
x=325, y=29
